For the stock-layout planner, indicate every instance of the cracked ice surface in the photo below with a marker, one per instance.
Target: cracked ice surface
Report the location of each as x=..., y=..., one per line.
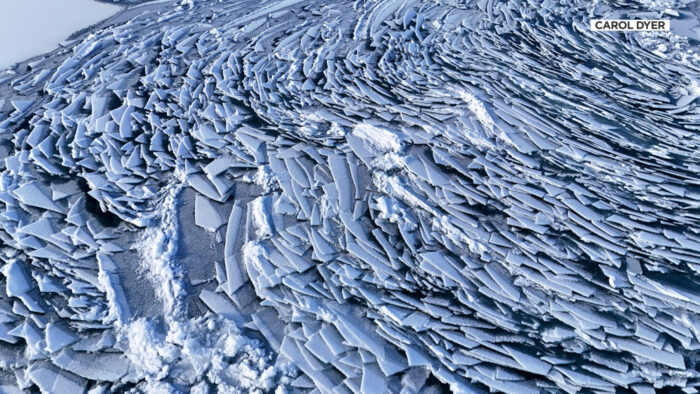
x=387, y=196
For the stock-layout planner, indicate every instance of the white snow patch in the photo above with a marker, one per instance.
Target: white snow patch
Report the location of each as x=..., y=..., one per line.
x=336, y=130
x=395, y=187
x=263, y=177
x=261, y=216
x=382, y=140
x=393, y=211
x=443, y=225
x=158, y=248
x=211, y=345
x=478, y=109
x=388, y=161
x=147, y=348
x=694, y=87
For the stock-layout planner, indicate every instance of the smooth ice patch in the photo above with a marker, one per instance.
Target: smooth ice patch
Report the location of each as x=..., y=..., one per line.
x=32, y=27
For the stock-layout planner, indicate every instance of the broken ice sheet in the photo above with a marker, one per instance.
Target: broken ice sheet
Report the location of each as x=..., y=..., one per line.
x=355, y=197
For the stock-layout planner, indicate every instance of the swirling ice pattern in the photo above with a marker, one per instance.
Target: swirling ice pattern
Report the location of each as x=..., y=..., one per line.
x=481, y=191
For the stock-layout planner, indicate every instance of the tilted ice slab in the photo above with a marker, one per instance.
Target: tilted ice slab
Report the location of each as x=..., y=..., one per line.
x=362, y=197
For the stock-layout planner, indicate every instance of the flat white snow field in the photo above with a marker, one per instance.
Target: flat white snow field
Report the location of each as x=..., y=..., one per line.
x=32, y=27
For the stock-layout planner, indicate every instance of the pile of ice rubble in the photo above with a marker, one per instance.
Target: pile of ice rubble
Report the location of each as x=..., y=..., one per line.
x=476, y=196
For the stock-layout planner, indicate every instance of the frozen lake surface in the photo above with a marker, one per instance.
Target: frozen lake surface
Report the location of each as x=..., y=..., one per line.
x=32, y=27
x=390, y=196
